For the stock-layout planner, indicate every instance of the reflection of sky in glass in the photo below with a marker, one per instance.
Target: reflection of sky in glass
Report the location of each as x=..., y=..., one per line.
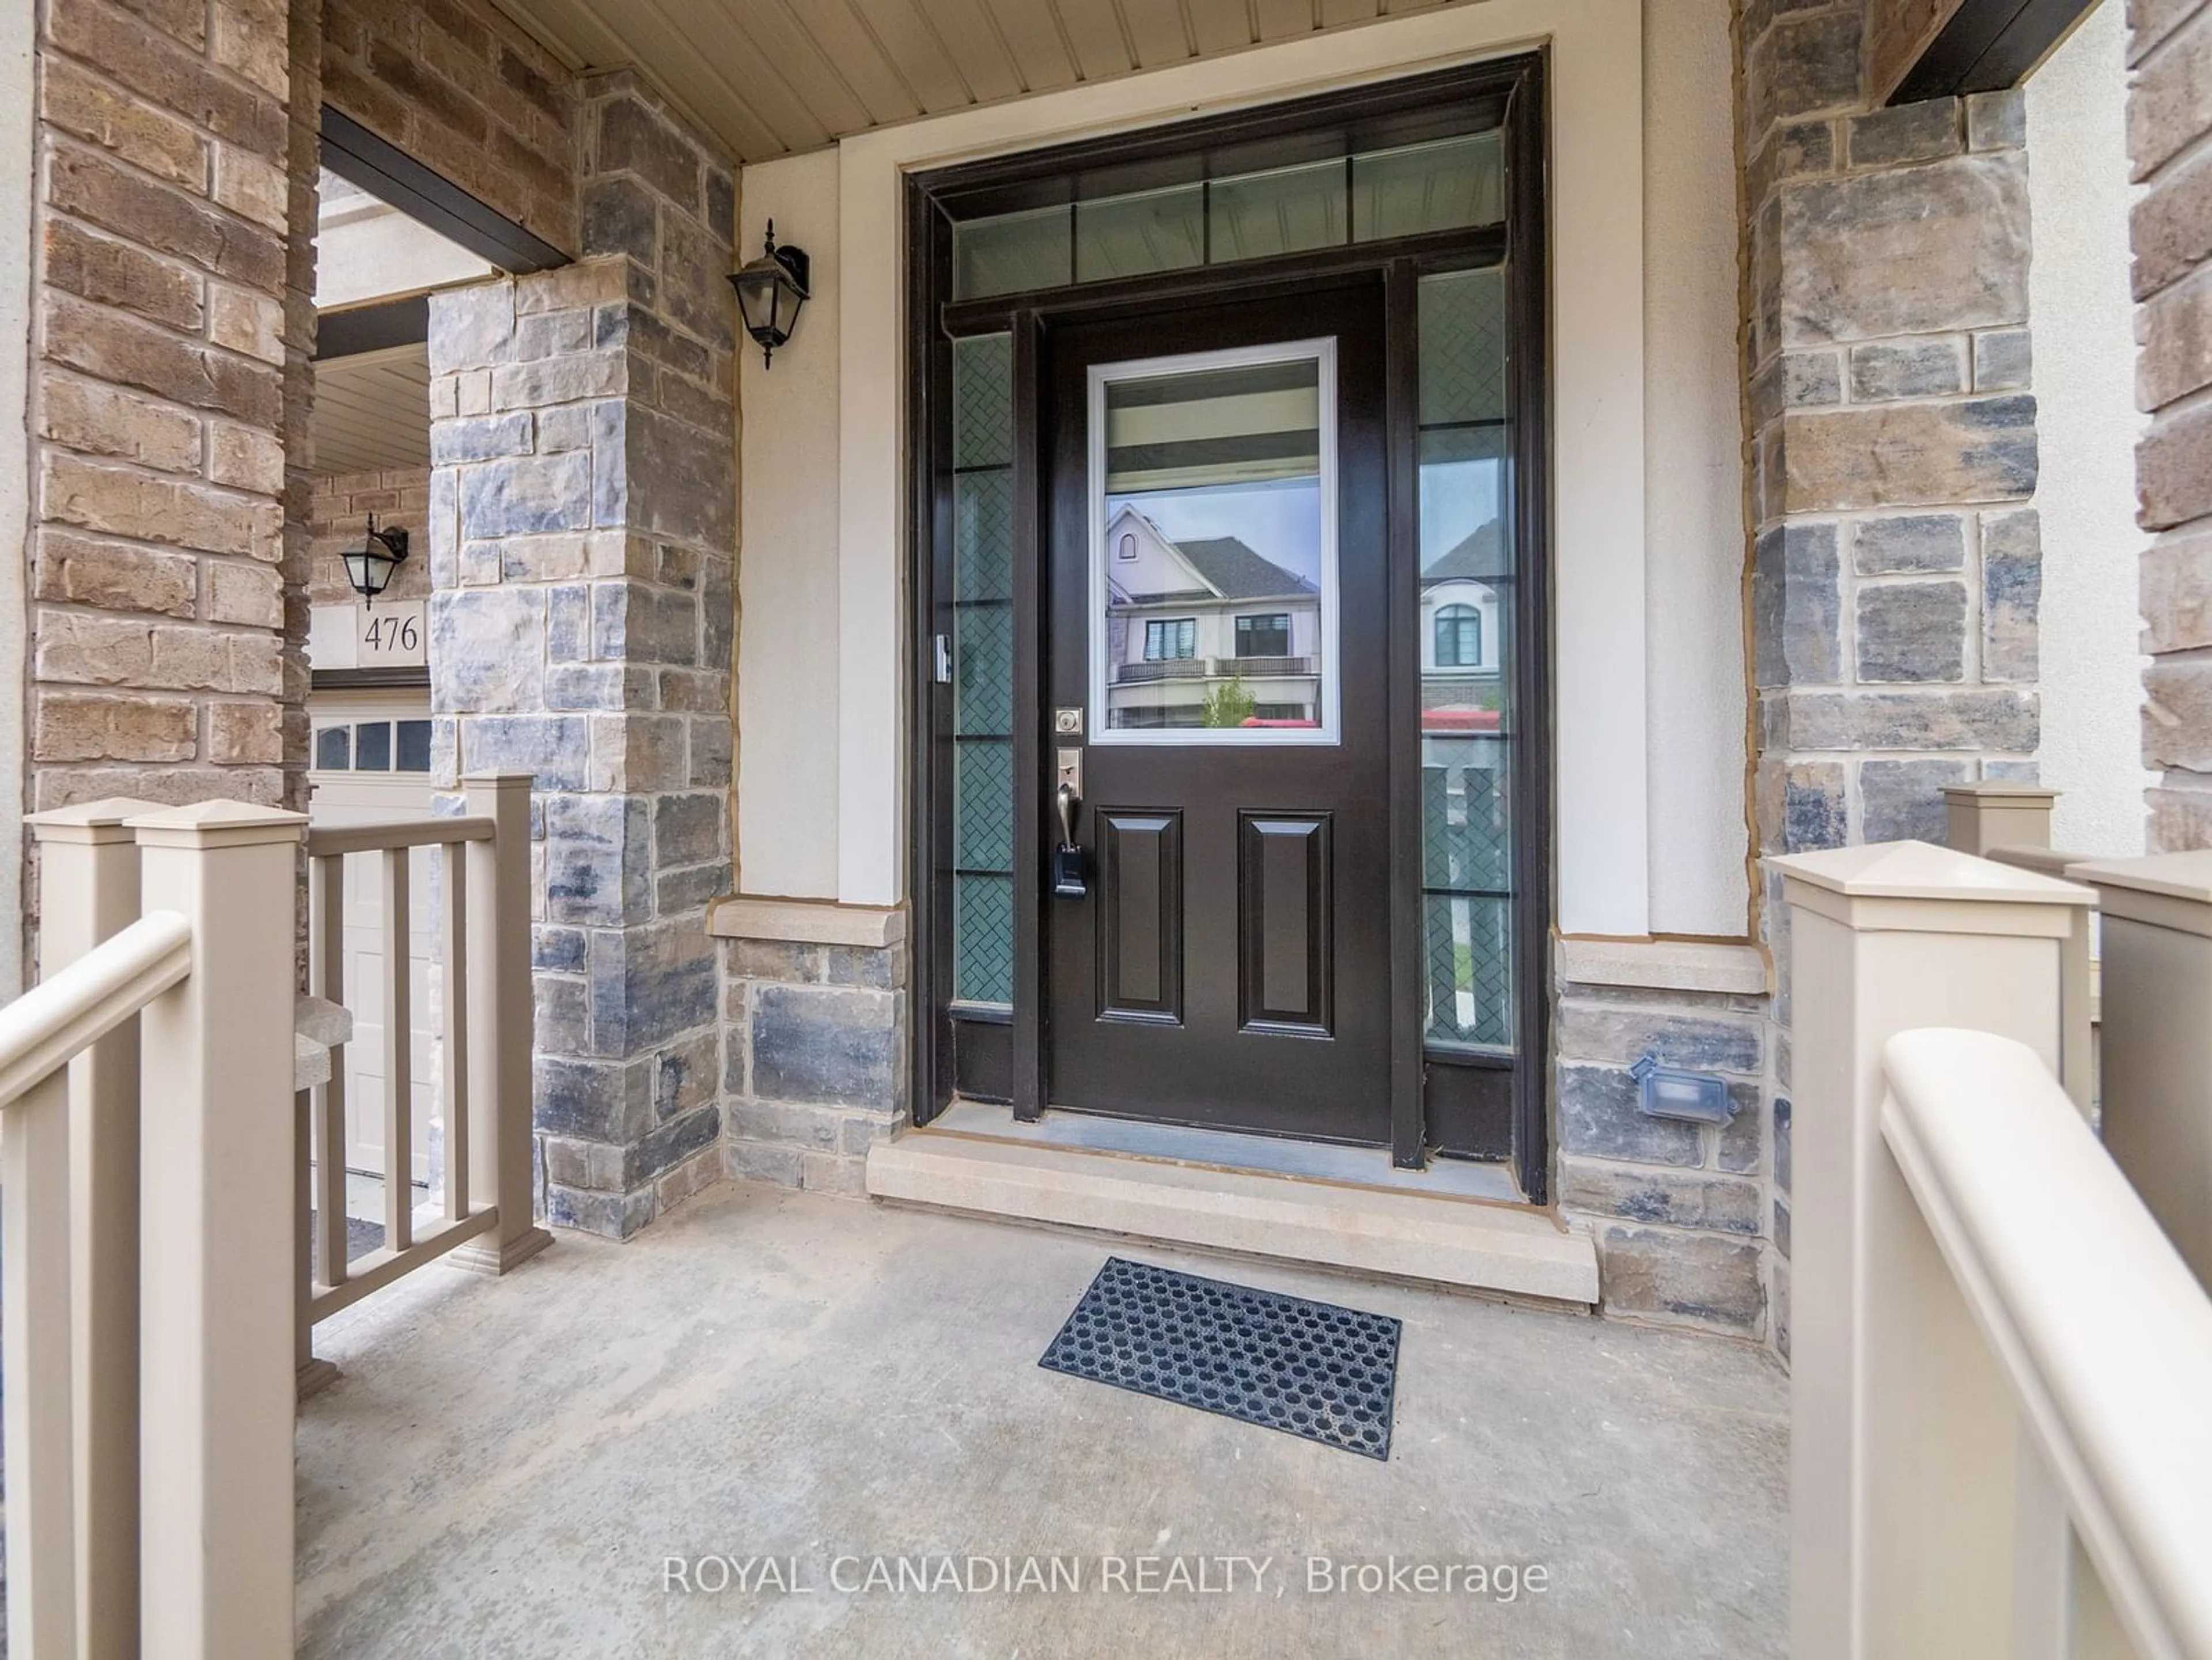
x=1280, y=520
x=1457, y=499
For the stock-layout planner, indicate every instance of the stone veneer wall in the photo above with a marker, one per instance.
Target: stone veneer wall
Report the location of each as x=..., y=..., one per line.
x=815, y=1059
x=166, y=367
x=1678, y=1210
x=338, y=519
x=2169, y=119
x=461, y=89
x=582, y=534
x=1895, y=574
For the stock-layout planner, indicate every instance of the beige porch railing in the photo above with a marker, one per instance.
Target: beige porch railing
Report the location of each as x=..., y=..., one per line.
x=153, y=1520
x=155, y=1323
x=2000, y=1362
x=485, y=1209
x=2136, y=1002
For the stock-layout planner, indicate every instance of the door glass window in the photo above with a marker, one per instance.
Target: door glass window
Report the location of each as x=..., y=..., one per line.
x=983, y=670
x=1468, y=597
x=1213, y=489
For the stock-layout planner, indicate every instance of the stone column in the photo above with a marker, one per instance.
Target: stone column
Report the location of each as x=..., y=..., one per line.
x=1895, y=569
x=2170, y=51
x=583, y=533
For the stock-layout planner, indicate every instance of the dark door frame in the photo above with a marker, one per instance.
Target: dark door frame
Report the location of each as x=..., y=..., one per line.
x=1511, y=94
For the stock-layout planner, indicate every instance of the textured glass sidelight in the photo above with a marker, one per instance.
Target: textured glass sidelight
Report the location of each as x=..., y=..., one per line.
x=1466, y=638
x=983, y=669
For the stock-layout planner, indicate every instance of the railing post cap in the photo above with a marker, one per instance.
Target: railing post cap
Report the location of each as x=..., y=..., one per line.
x=217, y=825
x=501, y=780
x=1999, y=789
x=1920, y=870
x=2170, y=875
x=92, y=823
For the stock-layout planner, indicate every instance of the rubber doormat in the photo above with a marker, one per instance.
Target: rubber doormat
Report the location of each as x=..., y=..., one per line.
x=1326, y=1373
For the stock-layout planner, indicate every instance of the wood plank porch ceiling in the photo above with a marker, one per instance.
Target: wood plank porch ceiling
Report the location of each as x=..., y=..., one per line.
x=777, y=77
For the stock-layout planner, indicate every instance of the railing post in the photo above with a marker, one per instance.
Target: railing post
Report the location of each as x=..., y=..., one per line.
x=502, y=1020
x=2156, y=1091
x=216, y=1268
x=1985, y=818
x=1997, y=815
x=88, y=893
x=1903, y=1442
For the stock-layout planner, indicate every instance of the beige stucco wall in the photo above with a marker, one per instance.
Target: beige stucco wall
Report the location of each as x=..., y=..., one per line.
x=1652, y=763
x=1694, y=472
x=786, y=761
x=16, y=23
x=2083, y=323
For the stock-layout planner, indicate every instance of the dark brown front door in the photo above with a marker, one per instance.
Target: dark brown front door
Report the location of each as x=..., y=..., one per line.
x=1217, y=619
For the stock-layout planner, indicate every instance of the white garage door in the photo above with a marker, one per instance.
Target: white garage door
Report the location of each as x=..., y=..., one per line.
x=371, y=765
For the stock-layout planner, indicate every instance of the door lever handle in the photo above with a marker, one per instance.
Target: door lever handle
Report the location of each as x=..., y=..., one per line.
x=1068, y=879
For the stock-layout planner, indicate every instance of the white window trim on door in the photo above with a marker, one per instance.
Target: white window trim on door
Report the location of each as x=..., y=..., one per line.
x=1322, y=354
x=1595, y=121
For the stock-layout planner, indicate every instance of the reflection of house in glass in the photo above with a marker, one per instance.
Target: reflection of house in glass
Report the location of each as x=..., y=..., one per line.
x=1465, y=799
x=1197, y=630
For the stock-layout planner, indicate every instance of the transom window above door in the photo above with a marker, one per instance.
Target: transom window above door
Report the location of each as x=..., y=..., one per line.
x=1373, y=194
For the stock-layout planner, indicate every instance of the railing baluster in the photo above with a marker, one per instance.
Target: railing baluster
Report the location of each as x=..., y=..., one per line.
x=35, y=1331
x=452, y=870
x=501, y=1019
x=328, y=954
x=398, y=1069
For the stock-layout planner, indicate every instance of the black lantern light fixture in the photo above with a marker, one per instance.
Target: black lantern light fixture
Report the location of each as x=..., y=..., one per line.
x=382, y=552
x=771, y=290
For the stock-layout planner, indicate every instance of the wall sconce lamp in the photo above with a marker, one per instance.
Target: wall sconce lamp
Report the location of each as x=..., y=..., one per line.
x=382, y=552
x=771, y=291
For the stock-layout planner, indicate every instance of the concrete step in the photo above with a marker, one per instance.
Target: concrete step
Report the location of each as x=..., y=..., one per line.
x=1473, y=1243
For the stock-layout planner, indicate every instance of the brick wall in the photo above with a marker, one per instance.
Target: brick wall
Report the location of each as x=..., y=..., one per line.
x=1895, y=574
x=337, y=520
x=464, y=92
x=2169, y=119
x=165, y=321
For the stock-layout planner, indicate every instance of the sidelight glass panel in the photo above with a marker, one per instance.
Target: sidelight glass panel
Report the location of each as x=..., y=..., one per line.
x=1137, y=234
x=1452, y=183
x=982, y=669
x=1469, y=571
x=1213, y=508
x=1289, y=210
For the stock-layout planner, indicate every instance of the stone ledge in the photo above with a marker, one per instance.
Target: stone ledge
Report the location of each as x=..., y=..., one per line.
x=1664, y=966
x=807, y=921
x=1451, y=1242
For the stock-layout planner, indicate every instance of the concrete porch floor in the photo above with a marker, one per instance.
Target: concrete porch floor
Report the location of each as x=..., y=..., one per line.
x=504, y=1465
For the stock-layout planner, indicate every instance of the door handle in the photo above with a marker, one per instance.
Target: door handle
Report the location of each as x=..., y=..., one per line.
x=1067, y=872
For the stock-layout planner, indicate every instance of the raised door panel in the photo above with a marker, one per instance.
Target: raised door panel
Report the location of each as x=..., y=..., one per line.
x=1140, y=915
x=1286, y=973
